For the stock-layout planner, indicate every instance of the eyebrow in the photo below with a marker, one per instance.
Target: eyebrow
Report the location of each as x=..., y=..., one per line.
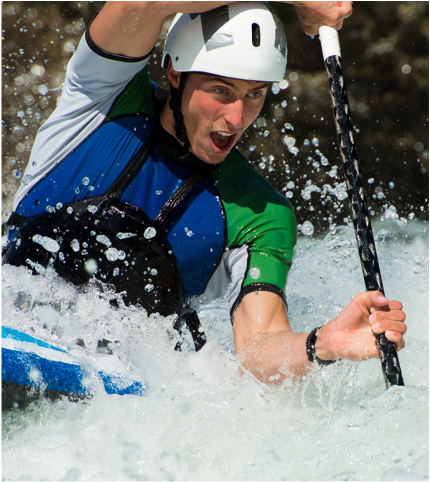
x=231, y=84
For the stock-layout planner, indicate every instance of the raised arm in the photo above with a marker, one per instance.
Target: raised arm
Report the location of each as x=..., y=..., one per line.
x=132, y=28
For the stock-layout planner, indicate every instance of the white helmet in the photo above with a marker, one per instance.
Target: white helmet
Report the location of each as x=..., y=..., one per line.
x=242, y=40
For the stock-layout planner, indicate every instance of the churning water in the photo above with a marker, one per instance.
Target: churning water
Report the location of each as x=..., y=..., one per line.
x=202, y=418
x=205, y=420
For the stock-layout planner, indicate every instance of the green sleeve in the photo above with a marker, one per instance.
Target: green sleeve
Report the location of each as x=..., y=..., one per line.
x=259, y=217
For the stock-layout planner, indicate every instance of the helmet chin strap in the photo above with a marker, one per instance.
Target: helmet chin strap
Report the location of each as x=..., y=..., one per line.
x=175, y=105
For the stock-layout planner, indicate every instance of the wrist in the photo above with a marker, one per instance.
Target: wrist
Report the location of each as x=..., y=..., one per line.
x=322, y=345
x=316, y=348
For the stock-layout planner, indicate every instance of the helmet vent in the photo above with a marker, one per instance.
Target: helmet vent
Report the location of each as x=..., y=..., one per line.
x=255, y=35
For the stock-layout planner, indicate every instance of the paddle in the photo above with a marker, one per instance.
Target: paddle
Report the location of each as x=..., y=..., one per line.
x=363, y=229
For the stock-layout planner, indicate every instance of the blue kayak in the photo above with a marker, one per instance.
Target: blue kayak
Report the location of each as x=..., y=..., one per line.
x=32, y=368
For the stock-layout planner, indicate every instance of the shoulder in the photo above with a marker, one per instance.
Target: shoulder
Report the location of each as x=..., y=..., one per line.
x=240, y=184
x=256, y=214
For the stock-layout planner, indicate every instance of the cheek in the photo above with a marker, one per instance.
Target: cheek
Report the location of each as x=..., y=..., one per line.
x=251, y=113
x=203, y=107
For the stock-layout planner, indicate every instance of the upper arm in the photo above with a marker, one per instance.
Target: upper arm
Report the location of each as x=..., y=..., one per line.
x=257, y=312
x=128, y=28
x=133, y=28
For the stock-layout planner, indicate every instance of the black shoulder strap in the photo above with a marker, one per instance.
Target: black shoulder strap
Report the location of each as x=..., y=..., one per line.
x=131, y=170
x=177, y=197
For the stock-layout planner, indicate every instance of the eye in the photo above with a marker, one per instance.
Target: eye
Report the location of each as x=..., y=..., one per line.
x=255, y=95
x=220, y=90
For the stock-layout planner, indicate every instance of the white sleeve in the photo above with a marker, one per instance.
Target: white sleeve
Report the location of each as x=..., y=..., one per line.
x=93, y=82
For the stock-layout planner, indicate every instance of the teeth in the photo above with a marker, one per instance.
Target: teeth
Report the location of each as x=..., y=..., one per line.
x=224, y=134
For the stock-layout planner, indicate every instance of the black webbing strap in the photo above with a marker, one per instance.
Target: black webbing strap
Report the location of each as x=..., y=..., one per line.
x=133, y=168
x=194, y=326
x=177, y=197
x=130, y=171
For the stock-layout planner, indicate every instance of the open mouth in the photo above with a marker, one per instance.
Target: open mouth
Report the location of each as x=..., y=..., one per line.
x=222, y=141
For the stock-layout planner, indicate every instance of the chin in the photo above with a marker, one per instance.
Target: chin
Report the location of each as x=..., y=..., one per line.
x=210, y=158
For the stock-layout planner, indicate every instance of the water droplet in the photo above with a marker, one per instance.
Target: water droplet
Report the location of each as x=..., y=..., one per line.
x=149, y=232
x=92, y=209
x=69, y=210
x=101, y=238
x=149, y=287
x=77, y=190
x=85, y=181
x=91, y=266
x=113, y=254
x=43, y=89
x=276, y=88
x=284, y=84
x=48, y=243
x=115, y=272
x=50, y=209
x=158, y=192
x=307, y=228
x=125, y=235
x=254, y=273
x=75, y=245
x=154, y=272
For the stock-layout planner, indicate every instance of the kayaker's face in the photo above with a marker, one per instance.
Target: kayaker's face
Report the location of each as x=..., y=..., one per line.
x=217, y=110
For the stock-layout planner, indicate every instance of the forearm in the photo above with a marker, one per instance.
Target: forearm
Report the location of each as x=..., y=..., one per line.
x=133, y=28
x=273, y=356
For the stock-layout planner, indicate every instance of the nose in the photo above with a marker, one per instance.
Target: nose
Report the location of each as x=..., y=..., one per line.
x=233, y=114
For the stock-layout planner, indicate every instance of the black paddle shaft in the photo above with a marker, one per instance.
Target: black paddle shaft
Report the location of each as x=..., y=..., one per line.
x=363, y=229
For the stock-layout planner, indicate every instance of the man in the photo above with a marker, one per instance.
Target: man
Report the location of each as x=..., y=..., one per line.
x=148, y=193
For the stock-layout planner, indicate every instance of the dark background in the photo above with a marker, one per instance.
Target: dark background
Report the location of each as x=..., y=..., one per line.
x=385, y=59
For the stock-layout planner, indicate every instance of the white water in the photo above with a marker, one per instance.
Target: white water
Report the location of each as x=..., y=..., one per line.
x=202, y=420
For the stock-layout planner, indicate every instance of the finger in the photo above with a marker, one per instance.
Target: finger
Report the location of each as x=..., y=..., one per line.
x=310, y=30
x=392, y=315
x=339, y=25
x=396, y=338
x=377, y=299
x=388, y=325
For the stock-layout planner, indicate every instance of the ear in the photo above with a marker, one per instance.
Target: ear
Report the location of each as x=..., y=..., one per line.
x=173, y=76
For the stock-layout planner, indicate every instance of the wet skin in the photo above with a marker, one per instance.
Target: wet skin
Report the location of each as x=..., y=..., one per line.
x=216, y=110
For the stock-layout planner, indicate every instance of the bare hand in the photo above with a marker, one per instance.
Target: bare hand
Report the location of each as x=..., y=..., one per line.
x=313, y=14
x=351, y=334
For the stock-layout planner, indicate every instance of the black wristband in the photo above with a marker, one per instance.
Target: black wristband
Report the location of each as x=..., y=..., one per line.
x=310, y=348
